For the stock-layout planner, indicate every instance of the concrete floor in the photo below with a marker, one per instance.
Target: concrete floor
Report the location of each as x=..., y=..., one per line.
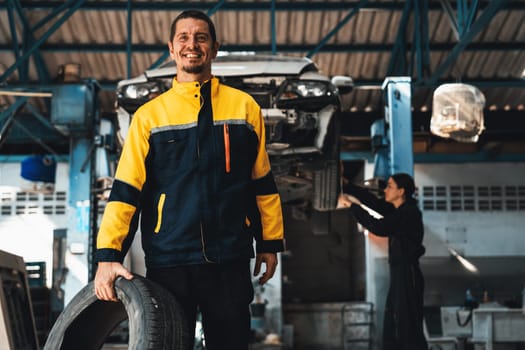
x=252, y=347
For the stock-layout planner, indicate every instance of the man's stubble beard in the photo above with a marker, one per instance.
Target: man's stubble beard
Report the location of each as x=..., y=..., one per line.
x=193, y=69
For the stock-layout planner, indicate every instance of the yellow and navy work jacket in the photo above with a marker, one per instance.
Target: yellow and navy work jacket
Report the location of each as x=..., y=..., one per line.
x=194, y=165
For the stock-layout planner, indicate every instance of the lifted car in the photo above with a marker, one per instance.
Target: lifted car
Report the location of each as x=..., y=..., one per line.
x=301, y=110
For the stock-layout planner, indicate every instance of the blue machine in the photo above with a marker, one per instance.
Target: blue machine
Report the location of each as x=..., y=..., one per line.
x=74, y=106
x=39, y=168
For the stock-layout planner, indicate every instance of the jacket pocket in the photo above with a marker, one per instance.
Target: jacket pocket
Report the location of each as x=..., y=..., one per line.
x=160, y=206
x=169, y=147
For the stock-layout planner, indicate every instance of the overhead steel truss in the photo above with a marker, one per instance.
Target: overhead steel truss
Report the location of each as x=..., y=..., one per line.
x=469, y=18
x=463, y=21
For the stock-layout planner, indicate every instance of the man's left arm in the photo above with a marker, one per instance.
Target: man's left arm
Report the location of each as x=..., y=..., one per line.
x=271, y=238
x=266, y=195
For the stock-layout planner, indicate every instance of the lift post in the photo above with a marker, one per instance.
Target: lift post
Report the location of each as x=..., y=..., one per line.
x=392, y=136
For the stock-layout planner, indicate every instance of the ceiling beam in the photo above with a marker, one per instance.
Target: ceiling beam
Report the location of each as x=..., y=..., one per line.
x=354, y=11
x=242, y=6
x=27, y=44
x=480, y=83
x=499, y=124
x=481, y=23
x=38, y=42
x=161, y=47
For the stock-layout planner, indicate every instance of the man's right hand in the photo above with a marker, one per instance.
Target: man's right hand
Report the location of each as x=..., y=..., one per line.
x=107, y=273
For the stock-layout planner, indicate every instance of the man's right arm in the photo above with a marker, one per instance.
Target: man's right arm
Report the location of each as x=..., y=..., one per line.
x=120, y=218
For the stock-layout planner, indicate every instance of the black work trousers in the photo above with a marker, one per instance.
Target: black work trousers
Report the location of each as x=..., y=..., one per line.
x=403, y=323
x=221, y=292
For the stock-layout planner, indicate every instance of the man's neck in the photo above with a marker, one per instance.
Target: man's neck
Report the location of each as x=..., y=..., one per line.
x=189, y=78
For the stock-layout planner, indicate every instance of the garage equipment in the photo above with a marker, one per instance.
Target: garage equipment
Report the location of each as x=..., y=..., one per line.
x=17, y=325
x=457, y=112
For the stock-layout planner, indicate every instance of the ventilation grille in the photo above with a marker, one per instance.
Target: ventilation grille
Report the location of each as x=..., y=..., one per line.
x=472, y=198
x=28, y=203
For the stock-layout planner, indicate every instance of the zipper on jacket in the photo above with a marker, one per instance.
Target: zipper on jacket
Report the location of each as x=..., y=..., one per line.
x=204, y=131
x=202, y=243
x=160, y=205
x=226, y=134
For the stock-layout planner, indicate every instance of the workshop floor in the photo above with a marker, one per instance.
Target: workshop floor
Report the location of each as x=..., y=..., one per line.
x=252, y=347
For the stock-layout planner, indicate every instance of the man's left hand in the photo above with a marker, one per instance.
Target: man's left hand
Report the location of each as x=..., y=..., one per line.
x=270, y=259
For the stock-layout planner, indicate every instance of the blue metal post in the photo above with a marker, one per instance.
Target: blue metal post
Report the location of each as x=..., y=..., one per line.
x=398, y=115
x=380, y=147
x=78, y=216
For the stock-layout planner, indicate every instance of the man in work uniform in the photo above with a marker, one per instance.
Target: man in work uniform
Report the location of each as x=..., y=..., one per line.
x=194, y=165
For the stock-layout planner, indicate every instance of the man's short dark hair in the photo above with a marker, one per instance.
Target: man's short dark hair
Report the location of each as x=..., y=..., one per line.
x=196, y=14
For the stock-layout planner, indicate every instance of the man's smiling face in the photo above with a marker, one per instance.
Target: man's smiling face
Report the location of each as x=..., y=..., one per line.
x=193, y=49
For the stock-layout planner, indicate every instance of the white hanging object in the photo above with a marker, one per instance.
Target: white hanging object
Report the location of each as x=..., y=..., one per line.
x=457, y=112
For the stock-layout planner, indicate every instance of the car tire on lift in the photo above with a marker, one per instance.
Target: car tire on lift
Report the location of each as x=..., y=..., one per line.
x=155, y=319
x=326, y=189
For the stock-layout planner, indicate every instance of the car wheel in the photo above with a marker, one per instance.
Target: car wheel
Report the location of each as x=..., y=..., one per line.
x=155, y=318
x=326, y=186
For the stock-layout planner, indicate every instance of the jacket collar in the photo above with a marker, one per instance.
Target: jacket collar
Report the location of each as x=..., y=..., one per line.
x=194, y=87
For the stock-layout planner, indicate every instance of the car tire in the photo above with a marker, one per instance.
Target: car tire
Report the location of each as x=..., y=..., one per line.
x=326, y=186
x=154, y=316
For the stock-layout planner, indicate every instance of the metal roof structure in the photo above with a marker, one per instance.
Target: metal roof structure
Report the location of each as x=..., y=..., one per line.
x=479, y=42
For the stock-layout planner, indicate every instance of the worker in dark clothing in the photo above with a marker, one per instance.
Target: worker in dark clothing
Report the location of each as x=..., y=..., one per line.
x=401, y=221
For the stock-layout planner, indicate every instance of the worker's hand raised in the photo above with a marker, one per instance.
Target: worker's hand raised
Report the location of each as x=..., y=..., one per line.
x=270, y=259
x=107, y=273
x=352, y=199
x=346, y=201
